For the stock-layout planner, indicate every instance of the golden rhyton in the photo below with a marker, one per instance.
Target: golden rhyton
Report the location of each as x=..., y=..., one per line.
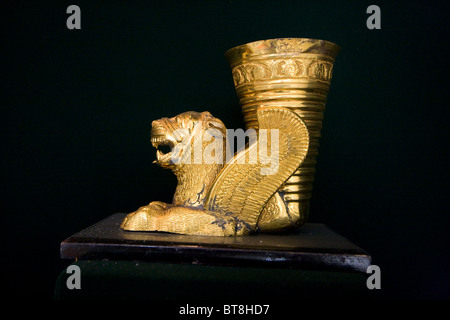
x=282, y=85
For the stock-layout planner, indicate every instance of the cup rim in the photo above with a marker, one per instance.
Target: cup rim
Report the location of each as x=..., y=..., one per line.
x=282, y=46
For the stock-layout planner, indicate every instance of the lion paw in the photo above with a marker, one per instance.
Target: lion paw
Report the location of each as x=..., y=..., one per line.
x=146, y=218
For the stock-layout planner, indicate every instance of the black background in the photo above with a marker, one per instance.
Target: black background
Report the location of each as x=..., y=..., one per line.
x=76, y=109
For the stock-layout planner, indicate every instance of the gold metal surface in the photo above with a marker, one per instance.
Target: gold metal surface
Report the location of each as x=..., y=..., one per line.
x=293, y=73
x=282, y=86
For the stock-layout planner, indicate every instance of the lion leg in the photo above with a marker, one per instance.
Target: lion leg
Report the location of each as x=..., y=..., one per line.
x=201, y=222
x=159, y=216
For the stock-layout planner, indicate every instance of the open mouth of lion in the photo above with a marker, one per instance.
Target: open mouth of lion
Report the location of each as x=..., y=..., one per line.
x=164, y=148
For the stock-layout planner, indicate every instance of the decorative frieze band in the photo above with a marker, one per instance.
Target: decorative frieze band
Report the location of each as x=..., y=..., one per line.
x=282, y=69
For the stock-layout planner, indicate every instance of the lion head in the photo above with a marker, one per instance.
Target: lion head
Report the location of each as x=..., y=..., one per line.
x=183, y=138
x=185, y=144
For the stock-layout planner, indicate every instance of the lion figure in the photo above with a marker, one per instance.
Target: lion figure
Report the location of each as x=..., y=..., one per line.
x=216, y=197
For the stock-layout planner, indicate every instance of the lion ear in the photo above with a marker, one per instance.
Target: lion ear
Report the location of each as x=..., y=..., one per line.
x=218, y=125
x=207, y=114
x=211, y=122
x=214, y=123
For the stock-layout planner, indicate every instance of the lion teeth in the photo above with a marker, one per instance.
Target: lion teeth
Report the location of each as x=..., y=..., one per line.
x=157, y=141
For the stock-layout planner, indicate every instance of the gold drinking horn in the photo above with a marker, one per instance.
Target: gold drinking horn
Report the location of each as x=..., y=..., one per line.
x=292, y=73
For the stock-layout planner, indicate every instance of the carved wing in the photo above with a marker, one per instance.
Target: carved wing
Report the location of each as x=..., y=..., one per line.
x=242, y=187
